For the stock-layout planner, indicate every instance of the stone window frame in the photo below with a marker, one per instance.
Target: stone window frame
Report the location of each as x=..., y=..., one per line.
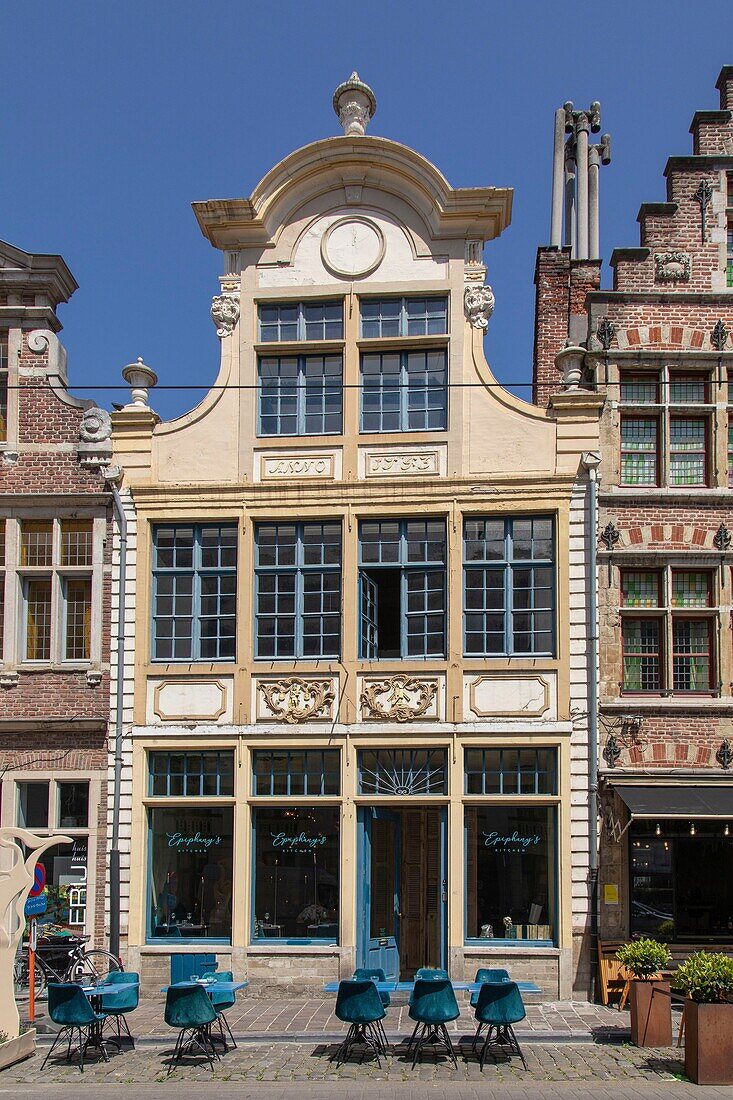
x=16, y=574
x=664, y=413
x=667, y=614
x=95, y=835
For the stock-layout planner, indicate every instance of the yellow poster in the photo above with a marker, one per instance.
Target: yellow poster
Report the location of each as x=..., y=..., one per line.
x=610, y=893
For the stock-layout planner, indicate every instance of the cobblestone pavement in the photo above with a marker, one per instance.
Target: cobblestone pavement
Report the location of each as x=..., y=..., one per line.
x=266, y=1018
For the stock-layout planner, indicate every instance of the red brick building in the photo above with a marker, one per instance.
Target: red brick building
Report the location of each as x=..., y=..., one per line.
x=55, y=553
x=659, y=346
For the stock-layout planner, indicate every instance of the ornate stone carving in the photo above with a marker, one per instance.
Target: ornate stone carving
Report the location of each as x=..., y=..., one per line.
x=398, y=698
x=479, y=304
x=355, y=104
x=224, y=313
x=384, y=465
x=672, y=267
x=296, y=700
x=9, y=679
x=95, y=447
x=285, y=466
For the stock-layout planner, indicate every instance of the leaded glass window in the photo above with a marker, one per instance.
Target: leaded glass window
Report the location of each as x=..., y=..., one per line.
x=287, y=321
x=303, y=772
x=404, y=391
x=687, y=389
x=402, y=588
x=691, y=589
x=298, y=590
x=687, y=451
x=639, y=389
x=640, y=588
x=510, y=771
x=403, y=771
x=509, y=586
x=642, y=656
x=300, y=395
x=194, y=592
x=691, y=654
x=639, y=450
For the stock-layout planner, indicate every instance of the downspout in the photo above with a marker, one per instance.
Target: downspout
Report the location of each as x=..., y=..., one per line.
x=114, y=855
x=591, y=461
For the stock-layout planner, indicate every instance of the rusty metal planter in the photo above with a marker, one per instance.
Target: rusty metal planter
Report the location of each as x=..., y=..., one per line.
x=709, y=1043
x=651, y=1014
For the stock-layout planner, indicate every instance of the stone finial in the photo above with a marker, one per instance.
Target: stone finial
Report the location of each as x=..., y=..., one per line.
x=355, y=104
x=570, y=362
x=140, y=378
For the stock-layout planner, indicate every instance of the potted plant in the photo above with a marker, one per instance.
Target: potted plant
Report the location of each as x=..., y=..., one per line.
x=706, y=979
x=649, y=998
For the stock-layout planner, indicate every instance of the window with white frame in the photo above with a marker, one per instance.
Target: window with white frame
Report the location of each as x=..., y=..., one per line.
x=665, y=428
x=668, y=630
x=55, y=571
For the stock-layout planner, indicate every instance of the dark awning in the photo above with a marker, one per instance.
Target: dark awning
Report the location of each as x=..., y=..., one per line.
x=660, y=801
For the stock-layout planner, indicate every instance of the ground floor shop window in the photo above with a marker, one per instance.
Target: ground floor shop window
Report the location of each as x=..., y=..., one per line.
x=511, y=858
x=66, y=886
x=682, y=880
x=296, y=873
x=190, y=881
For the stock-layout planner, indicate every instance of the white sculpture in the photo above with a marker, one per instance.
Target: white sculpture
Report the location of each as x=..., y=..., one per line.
x=16, y=879
x=479, y=304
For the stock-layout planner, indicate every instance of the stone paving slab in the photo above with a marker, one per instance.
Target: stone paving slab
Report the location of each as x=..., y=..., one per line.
x=269, y=1018
x=308, y=1064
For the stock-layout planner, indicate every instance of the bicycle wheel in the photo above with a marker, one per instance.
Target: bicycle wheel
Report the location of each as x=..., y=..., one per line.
x=93, y=966
x=21, y=975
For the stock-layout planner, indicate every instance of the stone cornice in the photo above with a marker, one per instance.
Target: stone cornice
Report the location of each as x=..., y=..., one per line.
x=701, y=161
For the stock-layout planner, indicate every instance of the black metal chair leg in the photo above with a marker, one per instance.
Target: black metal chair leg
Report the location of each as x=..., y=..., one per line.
x=449, y=1044
x=53, y=1045
x=176, y=1055
x=413, y=1036
x=517, y=1047
x=81, y=1051
x=476, y=1036
x=419, y=1043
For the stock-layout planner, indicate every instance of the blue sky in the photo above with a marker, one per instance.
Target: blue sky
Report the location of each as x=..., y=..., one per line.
x=115, y=117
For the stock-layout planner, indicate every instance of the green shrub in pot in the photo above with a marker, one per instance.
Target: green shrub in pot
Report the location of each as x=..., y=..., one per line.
x=644, y=958
x=706, y=977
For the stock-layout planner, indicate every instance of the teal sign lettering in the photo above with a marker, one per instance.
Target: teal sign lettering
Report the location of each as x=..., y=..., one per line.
x=514, y=843
x=300, y=843
x=192, y=843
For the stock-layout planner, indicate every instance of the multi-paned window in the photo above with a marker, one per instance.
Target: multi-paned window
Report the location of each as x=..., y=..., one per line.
x=508, y=586
x=194, y=592
x=402, y=580
x=55, y=572
x=672, y=649
x=300, y=395
x=404, y=391
x=661, y=443
x=510, y=771
x=298, y=590
x=3, y=385
x=191, y=774
x=301, y=772
x=286, y=322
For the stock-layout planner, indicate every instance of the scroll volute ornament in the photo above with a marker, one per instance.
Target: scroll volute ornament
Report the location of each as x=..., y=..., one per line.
x=398, y=698
x=479, y=304
x=296, y=700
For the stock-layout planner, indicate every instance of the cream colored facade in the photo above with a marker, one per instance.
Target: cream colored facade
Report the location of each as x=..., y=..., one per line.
x=346, y=219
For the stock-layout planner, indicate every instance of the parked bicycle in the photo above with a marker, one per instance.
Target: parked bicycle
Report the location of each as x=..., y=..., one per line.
x=64, y=959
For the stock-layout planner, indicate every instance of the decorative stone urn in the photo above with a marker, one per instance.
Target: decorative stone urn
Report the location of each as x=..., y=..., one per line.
x=140, y=378
x=354, y=103
x=570, y=362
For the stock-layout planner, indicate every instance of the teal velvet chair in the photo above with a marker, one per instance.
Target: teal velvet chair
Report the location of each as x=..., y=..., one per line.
x=188, y=1008
x=221, y=1002
x=69, y=1008
x=115, y=1006
x=433, y=1005
x=358, y=1004
x=430, y=973
x=376, y=974
x=500, y=1005
x=484, y=975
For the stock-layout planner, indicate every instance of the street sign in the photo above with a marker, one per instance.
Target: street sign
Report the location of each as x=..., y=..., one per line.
x=39, y=881
x=35, y=907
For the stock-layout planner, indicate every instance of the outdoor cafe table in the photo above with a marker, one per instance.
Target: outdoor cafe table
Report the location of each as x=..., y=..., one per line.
x=94, y=994
x=407, y=987
x=210, y=987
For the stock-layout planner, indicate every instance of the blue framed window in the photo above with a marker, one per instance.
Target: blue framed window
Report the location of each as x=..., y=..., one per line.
x=191, y=774
x=508, y=586
x=304, y=772
x=402, y=588
x=510, y=771
x=194, y=592
x=285, y=321
x=296, y=873
x=300, y=395
x=404, y=391
x=403, y=771
x=298, y=590
x=387, y=317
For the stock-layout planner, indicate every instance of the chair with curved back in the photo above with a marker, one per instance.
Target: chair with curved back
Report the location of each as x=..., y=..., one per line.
x=500, y=1005
x=484, y=974
x=70, y=1009
x=115, y=1006
x=188, y=1008
x=430, y=974
x=375, y=974
x=222, y=1000
x=433, y=1004
x=359, y=1005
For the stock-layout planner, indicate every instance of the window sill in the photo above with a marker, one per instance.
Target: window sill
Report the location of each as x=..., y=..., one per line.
x=536, y=947
x=293, y=947
x=55, y=666
x=164, y=945
x=676, y=702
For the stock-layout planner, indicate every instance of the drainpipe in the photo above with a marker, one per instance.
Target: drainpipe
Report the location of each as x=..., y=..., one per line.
x=114, y=855
x=591, y=461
